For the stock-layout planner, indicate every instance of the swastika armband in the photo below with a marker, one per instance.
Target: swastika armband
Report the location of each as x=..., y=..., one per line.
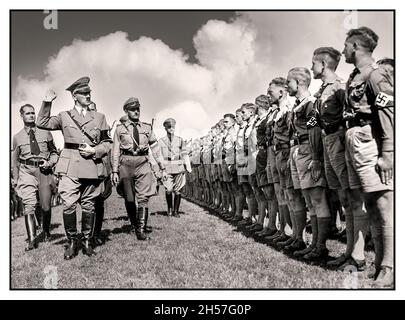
x=311, y=122
x=384, y=100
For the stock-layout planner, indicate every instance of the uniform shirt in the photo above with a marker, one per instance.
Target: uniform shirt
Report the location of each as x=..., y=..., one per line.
x=22, y=148
x=124, y=139
x=269, y=124
x=217, y=149
x=70, y=162
x=174, y=152
x=282, y=131
x=330, y=102
x=304, y=125
x=207, y=152
x=229, y=140
x=370, y=91
x=239, y=143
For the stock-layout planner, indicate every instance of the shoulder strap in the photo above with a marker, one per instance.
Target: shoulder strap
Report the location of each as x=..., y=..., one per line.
x=81, y=128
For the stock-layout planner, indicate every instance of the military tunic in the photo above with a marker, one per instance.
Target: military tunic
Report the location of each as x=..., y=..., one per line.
x=130, y=161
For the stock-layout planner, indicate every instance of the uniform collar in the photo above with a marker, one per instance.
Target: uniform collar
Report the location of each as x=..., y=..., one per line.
x=28, y=129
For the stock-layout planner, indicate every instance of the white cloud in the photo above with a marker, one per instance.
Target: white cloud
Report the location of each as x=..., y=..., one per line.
x=236, y=61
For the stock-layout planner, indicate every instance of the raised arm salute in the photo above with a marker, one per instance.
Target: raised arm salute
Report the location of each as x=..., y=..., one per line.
x=80, y=165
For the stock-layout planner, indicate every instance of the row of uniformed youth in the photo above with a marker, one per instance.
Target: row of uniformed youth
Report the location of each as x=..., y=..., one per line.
x=290, y=159
x=90, y=163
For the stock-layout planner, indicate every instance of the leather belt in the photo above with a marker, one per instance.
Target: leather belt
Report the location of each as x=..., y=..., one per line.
x=74, y=146
x=358, y=123
x=294, y=142
x=33, y=163
x=332, y=129
x=303, y=139
x=131, y=153
x=280, y=146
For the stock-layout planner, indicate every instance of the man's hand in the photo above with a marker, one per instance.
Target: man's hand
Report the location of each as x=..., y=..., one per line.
x=50, y=96
x=87, y=151
x=115, y=178
x=164, y=175
x=384, y=167
x=316, y=168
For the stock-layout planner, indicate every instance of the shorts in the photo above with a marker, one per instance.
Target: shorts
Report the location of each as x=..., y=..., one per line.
x=282, y=157
x=303, y=158
x=272, y=172
x=361, y=160
x=335, y=160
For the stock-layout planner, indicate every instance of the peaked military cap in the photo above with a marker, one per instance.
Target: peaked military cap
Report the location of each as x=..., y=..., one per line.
x=81, y=86
x=131, y=102
x=169, y=121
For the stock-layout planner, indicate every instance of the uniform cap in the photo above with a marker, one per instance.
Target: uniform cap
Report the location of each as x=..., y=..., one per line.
x=131, y=102
x=80, y=86
x=169, y=121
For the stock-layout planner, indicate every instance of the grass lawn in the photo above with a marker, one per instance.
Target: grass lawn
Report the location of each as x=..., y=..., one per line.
x=198, y=250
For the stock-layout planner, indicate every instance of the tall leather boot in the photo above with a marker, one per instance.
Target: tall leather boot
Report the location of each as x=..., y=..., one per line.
x=88, y=219
x=99, y=211
x=169, y=201
x=46, y=224
x=131, y=212
x=147, y=229
x=38, y=218
x=177, y=199
x=31, y=232
x=140, y=224
x=69, y=221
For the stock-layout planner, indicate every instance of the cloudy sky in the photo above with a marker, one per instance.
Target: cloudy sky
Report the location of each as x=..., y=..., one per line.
x=192, y=66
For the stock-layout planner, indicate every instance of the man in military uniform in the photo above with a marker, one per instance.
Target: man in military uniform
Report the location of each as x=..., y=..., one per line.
x=240, y=196
x=130, y=165
x=329, y=109
x=282, y=145
x=258, y=151
x=228, y=164
x=34, y=155
x=369, y=142
x=176, y=161
x=247, y=162
x=80, y=165
x=306, y=168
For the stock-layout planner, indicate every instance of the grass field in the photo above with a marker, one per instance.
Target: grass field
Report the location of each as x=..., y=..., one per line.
x=198, y=250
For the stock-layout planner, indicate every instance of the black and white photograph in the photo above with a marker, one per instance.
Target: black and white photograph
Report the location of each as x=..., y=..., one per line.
x=202, y=149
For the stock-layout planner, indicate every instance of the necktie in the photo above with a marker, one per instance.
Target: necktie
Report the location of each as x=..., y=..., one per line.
x=33, y=143
x=82, y=112
x=136, y=136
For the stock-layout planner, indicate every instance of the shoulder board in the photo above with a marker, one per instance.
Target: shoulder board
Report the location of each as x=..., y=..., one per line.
x=375, y=66
x=148, y=124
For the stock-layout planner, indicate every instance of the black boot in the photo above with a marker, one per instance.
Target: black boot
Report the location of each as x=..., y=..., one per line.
x=147, y=229
x=99, y=209
x=131, y=211
x=38, y=218
x=46, y=223
x=177, y=199
x=31, y=232
x=69, y=221
x=88, y=219
x=71, y=249
x=140, y=224
x=169, y=201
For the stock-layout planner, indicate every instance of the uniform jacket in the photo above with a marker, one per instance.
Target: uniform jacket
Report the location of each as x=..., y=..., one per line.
x=70, y=162
x=174, y=154
x=22, y=149
x=124, y=140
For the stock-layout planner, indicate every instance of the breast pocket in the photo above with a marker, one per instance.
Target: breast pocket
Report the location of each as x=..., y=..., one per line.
x=70, y=131
x=126, y=140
